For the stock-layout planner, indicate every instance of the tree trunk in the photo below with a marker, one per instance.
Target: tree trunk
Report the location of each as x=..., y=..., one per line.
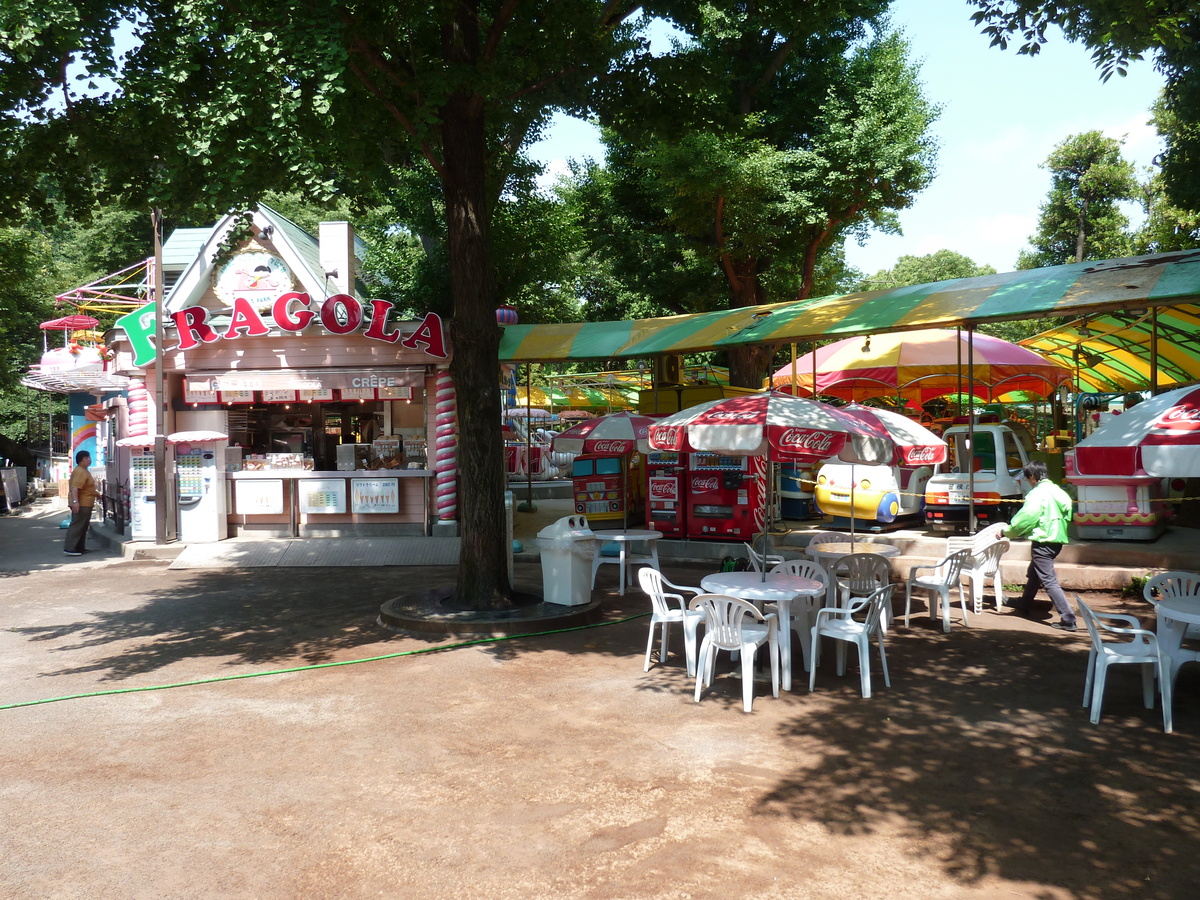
x=747, y=365
x=475, y=337
x=1081, y=234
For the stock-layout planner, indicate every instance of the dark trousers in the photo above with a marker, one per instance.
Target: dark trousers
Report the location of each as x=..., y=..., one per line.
x=1041, y=574
x=77, y=531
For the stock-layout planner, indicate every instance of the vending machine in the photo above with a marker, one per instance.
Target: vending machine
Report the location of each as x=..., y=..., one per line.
x=608, y=487
x=199, y=473
x=724, y=497
x=666, y=476
x=142, y=516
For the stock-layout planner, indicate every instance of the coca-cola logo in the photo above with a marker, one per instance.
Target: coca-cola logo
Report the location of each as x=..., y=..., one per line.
x=709, y=483
x=922, y=454
x=664, y=488
x=609, y=446
x=733, y=416
x=667, y=437
x=804, y=439
x=1180, y=418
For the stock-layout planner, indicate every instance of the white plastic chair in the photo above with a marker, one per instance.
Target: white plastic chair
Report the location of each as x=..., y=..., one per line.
x=985, y=565
x=840, y=624
x=826, y=537
x=859, y=575
x=804, y=606
x=735, y=625
x=1174, y=584
x=664, y=614
x=760, y=561
x=1143, y=649
x=939, y=579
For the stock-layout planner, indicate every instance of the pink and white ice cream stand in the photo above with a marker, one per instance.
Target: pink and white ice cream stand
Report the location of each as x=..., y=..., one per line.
x=1120, y=468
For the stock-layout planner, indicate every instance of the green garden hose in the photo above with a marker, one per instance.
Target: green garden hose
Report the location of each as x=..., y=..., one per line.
x=330, y=665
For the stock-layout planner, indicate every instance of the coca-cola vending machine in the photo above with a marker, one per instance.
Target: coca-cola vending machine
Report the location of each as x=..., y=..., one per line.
x=666, y=475
x=724, y=496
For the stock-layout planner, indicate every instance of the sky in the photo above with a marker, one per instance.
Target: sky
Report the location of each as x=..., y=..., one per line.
x=1002, y=115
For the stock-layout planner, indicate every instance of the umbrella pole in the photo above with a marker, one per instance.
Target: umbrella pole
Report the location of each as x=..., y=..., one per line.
x=766, y=512
x=852, y=480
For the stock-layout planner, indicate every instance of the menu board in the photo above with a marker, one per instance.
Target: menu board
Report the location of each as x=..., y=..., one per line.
x=259, y=498
x=374, y=495
x=322, y=495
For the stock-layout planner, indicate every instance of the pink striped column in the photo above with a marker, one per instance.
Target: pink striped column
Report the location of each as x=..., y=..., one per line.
x=445, y=459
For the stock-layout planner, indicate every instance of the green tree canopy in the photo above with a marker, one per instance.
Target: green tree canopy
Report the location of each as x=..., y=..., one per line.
x=1081, y=218
x=940, y=266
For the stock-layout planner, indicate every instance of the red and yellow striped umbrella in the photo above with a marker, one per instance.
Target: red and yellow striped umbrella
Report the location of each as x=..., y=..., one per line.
x=921, y=365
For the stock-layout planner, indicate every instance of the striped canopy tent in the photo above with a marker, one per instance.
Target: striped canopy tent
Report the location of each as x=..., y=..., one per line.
x=1127, y=351
x=1071, y=291
x=921, y=365
x=572, y=397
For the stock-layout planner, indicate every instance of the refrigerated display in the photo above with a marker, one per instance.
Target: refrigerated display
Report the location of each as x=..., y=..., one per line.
x=666, y=475
x=724, y=496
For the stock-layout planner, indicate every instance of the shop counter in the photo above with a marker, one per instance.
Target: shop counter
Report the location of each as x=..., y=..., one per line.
x=302, y=499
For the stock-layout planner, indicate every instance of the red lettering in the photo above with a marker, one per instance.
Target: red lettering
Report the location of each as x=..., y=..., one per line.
x=192, y=325
x=350, y=307
x=377, y=330
x=283, y=317
x=428, y=337
x=245, y=316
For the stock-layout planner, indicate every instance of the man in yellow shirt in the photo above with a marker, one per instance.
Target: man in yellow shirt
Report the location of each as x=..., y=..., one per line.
x=81, y=497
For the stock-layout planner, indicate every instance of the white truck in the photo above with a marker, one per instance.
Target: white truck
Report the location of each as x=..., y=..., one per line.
x=986, y=464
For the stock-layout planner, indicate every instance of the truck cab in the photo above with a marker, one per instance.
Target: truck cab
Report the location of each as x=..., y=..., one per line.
x=994, y=460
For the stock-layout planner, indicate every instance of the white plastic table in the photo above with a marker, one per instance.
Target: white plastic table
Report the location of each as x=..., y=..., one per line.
x=627, y=558
x=1174, y=615
x=780, y=589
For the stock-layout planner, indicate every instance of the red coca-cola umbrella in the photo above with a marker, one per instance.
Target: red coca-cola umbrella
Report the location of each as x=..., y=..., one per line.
x=618, y=434
x=1158, y=437
x=775, y=425
x=915, y=445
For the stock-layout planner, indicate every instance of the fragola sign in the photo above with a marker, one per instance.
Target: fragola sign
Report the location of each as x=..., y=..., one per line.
x=292, y=312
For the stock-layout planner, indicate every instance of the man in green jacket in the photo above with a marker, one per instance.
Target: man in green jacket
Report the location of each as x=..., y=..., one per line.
x=1044, y=518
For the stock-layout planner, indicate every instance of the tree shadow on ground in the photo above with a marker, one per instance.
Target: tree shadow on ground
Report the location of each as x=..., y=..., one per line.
x=982, y=749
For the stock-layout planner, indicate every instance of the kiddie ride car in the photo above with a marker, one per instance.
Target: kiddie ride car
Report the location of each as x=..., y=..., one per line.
x=887, y=495
x=999, y=453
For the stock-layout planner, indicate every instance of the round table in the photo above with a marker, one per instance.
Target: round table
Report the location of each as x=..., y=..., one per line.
x=1174, y=615
x=780, y=589
x=623, y=538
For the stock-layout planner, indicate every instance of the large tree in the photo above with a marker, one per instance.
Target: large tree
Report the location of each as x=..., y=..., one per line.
x=764, y=145
x=219, y=100
x=1081, y=217
x=940, y=266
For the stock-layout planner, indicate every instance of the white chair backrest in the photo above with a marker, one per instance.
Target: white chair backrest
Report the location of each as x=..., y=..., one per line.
x=949, y=570
x=724, y=617
x=1172, y=584
x=988, y=535
x=877, y=602
x=758, y=561
x=987, y=560
x=826, y=537
x=652, y=583
x=862, y=572
x=803, y=568
x=1093, y=624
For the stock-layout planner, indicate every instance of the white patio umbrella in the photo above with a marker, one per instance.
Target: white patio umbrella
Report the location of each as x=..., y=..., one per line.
x=775, y=425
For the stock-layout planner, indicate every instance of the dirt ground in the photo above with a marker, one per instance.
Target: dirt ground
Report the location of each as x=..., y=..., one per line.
x=552, y=766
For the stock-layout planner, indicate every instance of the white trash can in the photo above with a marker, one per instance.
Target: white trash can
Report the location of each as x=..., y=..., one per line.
x=567, y=549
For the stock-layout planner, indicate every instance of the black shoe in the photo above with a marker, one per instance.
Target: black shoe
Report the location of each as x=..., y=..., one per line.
x=72, y=553
x=1064, y=626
